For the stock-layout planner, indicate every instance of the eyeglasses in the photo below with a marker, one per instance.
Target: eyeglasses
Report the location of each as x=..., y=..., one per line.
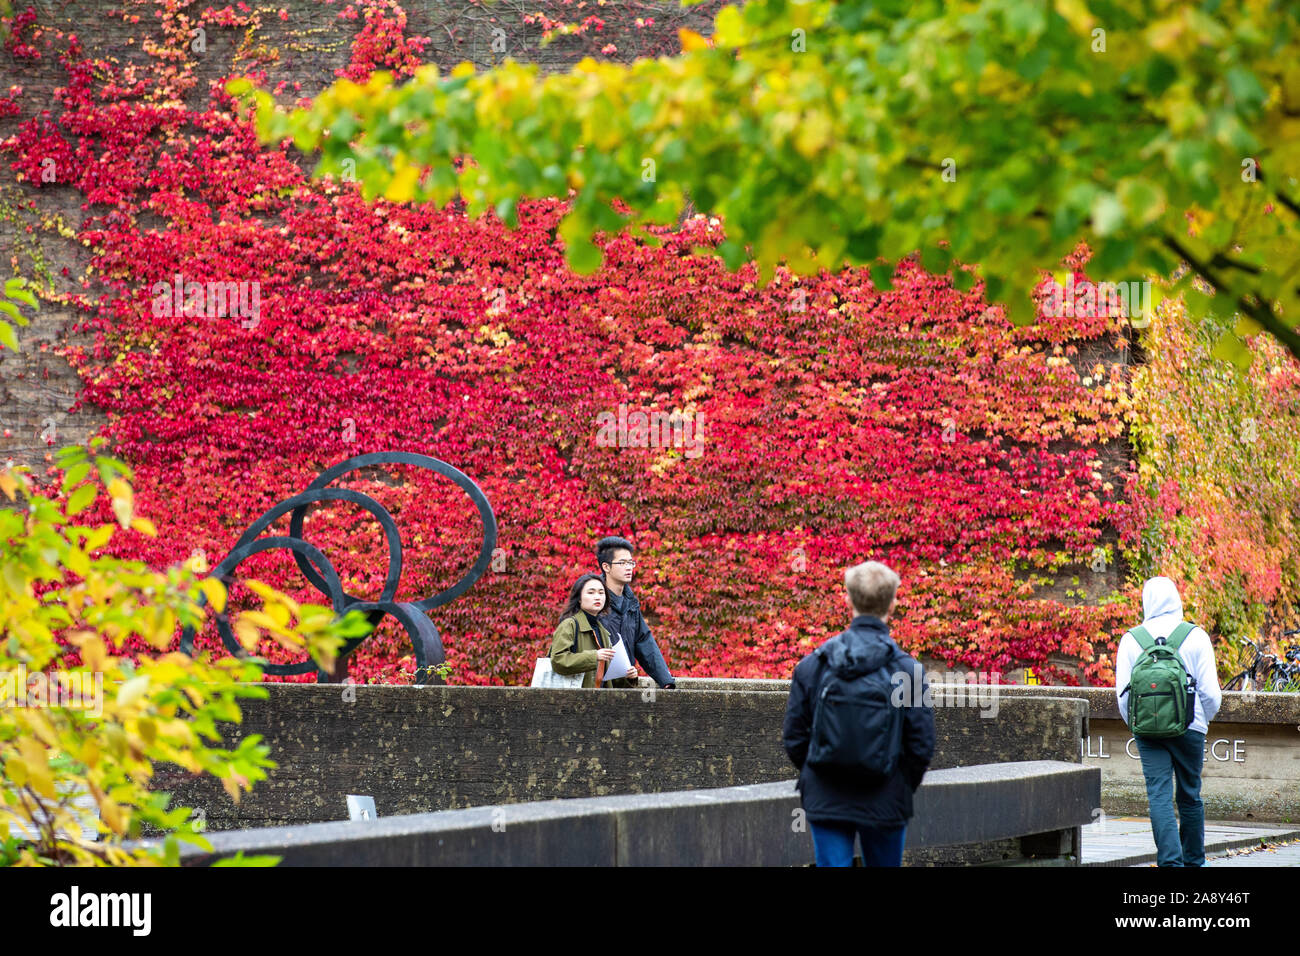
x=626, y=564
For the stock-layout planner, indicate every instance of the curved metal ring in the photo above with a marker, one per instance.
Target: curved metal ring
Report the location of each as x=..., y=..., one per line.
x=298, y=502
x=426, y=655
x=331, y=580
x=420, y=461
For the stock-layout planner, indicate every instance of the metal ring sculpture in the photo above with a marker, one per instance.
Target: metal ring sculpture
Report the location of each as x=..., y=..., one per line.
x=411, y=614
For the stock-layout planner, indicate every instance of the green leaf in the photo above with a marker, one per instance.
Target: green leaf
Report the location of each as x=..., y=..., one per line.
x=76, y=475
x=864, y=244
x=7, y=336
x=963, y=280
x=80, y=499
x=1229, y=348
x=1244, y=87
x=22, y=295
x=1143, y=201
x=240, y=860
x=935, y=260
x=507, y=211
x=1107, y=214
x=583, y=256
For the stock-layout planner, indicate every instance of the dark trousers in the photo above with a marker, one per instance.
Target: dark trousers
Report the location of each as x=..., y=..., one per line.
x=1168, y=762
x=833, y=844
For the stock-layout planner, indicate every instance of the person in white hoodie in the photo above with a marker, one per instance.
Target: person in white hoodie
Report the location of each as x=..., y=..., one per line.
x=1179, y=758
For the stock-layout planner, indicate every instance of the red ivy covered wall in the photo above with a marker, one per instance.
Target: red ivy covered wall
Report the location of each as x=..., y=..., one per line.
x=839, y=422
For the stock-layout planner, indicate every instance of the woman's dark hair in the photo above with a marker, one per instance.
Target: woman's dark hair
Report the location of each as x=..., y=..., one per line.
x=575, y=595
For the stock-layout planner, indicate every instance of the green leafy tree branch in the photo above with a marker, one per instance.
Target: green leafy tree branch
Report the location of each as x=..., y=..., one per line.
x=997, y=132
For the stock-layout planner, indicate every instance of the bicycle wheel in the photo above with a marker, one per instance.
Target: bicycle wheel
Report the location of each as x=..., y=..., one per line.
x=1274, y=678
x=1282, y=679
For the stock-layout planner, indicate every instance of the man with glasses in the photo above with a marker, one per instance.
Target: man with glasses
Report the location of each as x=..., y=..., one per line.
x=623, y=615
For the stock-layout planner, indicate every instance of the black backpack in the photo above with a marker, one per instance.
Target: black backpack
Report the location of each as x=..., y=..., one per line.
x=857, y=732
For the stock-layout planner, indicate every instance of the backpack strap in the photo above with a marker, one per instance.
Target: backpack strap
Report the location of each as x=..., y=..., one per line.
x=1143, y=637
x=573, y=649
x=1145, y=642
x=1180, y=634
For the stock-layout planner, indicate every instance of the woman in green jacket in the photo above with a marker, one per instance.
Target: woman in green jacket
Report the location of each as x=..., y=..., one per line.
x=593, y=644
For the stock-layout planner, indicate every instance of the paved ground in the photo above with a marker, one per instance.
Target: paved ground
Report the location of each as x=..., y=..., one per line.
x=1127, y=841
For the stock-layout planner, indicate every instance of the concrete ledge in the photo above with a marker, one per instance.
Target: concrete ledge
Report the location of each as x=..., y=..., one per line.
x=1252, y=751
x=1002, y=800
x=756, y=825
x=428, y=749
x=1238, y=706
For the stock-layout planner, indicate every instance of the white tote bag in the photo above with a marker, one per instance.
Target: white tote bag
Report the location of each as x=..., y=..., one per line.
x=545, y=676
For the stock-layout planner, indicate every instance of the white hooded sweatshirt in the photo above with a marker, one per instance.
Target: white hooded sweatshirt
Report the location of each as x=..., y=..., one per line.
x=1162, y=611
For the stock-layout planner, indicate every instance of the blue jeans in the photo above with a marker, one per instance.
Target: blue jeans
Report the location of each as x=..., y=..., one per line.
x=1180, y=758
x=833, y=844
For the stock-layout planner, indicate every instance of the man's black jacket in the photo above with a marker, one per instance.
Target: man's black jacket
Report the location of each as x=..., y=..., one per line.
x=888, y=804
x=623, y=617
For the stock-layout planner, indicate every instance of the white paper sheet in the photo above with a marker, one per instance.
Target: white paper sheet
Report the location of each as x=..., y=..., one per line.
x=620, y=665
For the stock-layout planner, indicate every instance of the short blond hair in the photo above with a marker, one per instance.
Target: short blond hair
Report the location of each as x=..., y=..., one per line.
x=871, y=586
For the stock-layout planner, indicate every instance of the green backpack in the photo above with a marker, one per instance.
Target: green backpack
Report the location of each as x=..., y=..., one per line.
x=1161, y=694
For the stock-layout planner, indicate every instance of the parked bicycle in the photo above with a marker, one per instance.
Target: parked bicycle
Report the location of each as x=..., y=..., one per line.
x=1268, y=672
x=1290, y=668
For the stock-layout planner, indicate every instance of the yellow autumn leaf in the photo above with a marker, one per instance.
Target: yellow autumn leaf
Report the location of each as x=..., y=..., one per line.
x=812, y=134
x=232, y=788
x=36, y=759
x=215, y=592
x=111, y=813
x=93, y=651
x=132, y=690
x=692, y=41
x=346, y=92
x=16, y=771
x=264, y=591
x=123, y=501
x=247, y=634
x=402, y=186
x=286, y=639
x=8, y=484
x=1075, y=13
x=260, y=619
x=145, y=526
x=90, y=752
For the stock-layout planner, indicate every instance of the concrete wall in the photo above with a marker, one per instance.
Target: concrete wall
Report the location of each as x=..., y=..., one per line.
x=1252, y=750
x=1012, y=814
x=423, y=749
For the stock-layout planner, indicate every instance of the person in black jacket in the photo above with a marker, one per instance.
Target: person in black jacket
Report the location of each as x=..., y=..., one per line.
x=623, y=617
x=836, y=809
